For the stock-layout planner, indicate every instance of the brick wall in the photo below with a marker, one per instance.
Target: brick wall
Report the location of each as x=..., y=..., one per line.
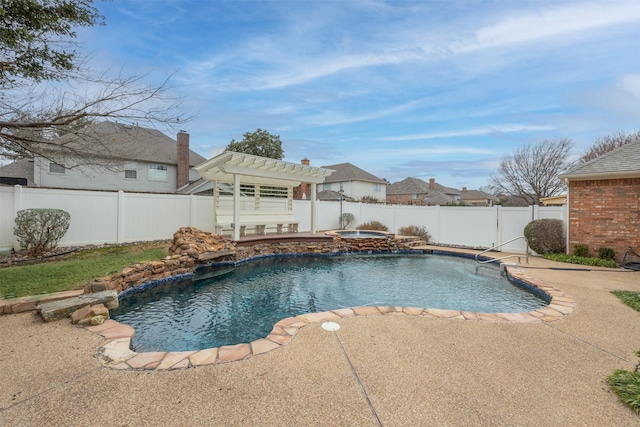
x=605, y=213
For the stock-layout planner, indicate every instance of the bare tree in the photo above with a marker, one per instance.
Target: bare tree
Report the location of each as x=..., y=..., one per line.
x=47, y=92
x=605, y=144
x=35, y=122
x=532, y=171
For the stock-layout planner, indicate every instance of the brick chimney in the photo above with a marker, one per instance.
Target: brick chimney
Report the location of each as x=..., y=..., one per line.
x=303, y=190
x=182, y=175
x=432, y=183
x=464, y=189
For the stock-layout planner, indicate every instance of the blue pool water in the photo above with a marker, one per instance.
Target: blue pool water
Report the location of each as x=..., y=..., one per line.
x=244, y=304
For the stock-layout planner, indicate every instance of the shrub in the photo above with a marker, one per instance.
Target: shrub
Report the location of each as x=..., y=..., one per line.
x=372, y=225
x=40, y=230
x=572, y=259
x=346, y=219
x=414, y=230
x=581, y=250
x=545, y=236
x=369, y=199
x=606, y=253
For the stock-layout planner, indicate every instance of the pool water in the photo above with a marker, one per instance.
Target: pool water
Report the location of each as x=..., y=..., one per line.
x=243, y=305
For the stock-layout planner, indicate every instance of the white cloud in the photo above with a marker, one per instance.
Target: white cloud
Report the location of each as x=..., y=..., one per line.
x=564, y=20
x=484, y=130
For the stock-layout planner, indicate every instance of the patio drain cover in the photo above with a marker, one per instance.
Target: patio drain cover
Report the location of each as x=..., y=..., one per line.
x=330, y=326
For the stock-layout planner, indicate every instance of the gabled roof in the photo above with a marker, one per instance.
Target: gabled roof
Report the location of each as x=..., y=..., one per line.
x=623, y=162
x=124, y=142
x=440, y=195
x=348, y=172
x=476, y=195
x=22, y=168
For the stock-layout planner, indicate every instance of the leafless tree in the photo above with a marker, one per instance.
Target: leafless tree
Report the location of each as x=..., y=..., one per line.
x=47, y=90
x=34, y=122
x=532, y=171
x=605, y=144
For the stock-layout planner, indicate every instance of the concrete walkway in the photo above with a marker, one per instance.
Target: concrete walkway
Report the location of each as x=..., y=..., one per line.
x=380, y=370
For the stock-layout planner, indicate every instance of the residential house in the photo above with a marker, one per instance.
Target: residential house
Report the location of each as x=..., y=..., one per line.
x=111, y=156
x=604, y=201
x=477, y=198
x=353, y=182
x=414, y=191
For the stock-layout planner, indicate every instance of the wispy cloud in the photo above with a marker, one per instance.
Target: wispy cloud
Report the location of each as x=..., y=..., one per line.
x=485, y=130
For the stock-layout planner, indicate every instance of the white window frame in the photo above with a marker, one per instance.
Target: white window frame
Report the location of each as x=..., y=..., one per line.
x=57, y=169
x=326, y=186
x=158, y=172
x=131, y=169
x=377, y=188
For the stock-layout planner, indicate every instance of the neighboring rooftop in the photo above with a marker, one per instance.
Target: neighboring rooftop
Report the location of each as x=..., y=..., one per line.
x=622, y=162
x=348, y=172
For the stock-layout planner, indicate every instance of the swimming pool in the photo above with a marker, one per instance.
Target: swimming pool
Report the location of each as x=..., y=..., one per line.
x=243, y=304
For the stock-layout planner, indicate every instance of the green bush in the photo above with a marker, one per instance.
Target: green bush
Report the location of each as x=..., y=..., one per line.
x=581, y=250
x=40, y=230
x=606, y=253
x=572, y=259
x=626, y=384
x=372, y=225
x=345, y=220
x=545, y=236
x=414, y=230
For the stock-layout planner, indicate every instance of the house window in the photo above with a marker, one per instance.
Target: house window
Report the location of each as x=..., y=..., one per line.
x=326, y=186
x=131, y=171
x=377, y=188
x=56, y=168
x=157, y=172
x=415, y=196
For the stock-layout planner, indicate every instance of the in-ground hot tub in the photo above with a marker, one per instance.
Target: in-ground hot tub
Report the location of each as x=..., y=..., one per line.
x=359, y=234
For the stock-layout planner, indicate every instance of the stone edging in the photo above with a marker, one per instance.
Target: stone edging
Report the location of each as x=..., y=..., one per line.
x=115, y=352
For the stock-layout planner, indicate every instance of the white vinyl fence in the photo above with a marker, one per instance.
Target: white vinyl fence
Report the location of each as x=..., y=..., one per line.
x=116, y=217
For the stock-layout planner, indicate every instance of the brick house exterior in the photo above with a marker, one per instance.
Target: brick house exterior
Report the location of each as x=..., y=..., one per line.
x=414, y=191
x=604, y=202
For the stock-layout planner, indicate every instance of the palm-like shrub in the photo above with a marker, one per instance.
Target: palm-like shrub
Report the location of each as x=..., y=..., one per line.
x=372, y=225
x=415, y=230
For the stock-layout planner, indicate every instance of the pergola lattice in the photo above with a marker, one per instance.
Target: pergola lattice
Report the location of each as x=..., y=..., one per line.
x=239, y=169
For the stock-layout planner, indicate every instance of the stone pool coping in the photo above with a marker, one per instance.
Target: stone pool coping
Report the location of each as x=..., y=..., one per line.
x=115, y=352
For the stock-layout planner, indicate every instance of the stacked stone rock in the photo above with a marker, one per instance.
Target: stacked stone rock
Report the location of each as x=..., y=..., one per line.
x=187, y=247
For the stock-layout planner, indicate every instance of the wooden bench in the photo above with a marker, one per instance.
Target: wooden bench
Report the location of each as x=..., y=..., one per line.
x=259, y=221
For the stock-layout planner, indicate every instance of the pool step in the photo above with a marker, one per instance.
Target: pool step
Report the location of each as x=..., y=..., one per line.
x=414, y=243
x=57, y=310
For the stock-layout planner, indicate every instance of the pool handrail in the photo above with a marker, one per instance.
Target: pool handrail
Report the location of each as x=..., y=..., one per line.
x=486, y=261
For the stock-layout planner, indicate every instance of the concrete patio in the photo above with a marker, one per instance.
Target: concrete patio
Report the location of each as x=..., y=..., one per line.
x=379, y=370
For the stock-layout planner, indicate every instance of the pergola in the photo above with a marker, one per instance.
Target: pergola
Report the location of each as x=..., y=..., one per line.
x=239, y=168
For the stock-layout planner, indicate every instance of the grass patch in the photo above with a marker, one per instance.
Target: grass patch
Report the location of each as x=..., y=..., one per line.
x=572, y=259
x=626, y=385
x=75, y=271
x=632, y=299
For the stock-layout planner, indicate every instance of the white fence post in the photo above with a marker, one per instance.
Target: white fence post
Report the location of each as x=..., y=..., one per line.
x=192, y=210
x=120, y=221
x=498, y=226
x=17, y=206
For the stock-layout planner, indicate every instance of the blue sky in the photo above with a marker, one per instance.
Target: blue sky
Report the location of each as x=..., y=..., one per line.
x=429, y=89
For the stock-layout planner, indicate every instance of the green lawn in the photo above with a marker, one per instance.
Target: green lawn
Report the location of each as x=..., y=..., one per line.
x=626, y=384
x=75, y=271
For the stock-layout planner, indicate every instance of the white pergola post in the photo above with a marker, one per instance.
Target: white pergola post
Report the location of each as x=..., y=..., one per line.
x=236, y=206
x=314, y=216
x=259, y=171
